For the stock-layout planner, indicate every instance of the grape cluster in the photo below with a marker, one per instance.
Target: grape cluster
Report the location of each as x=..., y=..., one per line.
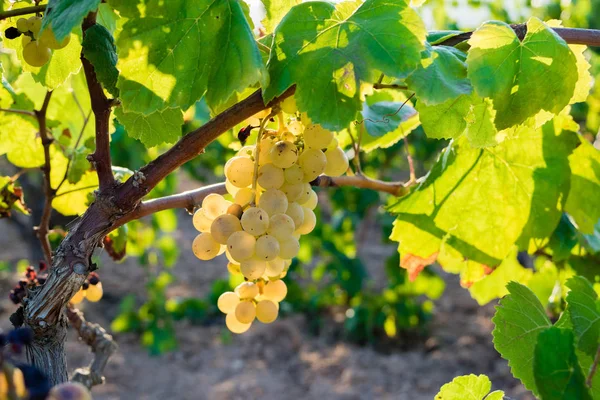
x=37, y=47
x=273, y=203
x=90, y=290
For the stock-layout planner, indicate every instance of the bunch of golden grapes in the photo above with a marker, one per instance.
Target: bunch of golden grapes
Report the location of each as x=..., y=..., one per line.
x=272, y=207
x=90, y=290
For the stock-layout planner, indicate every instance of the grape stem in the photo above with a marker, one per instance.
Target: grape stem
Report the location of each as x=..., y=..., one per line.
x=593, y=368
x=22, y=11
x=21, y=112
x=261, y=130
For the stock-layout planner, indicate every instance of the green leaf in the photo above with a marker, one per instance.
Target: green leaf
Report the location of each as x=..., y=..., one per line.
x=435, y=37
x=79, y=165
x=582, y=202
x=441, y=75
x=584, y=311
x=19, y=140
x=558, y=375
x=183, y=50
x=481, y=131
x=154, y=129
x=330, y=51
x=385, y=116
x=65, y=15
x=519, y=319
x=446, y=120
x=400, y=125
x=522, y=78
x=107, y=17
x=481, y=202
x=99, y=49
x=469, y=387
x=275, y=10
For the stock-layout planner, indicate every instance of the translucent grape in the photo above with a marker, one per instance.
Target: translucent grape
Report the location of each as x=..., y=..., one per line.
x=234, y=325
x=205, y=247
x=275, y=267
x=294, y=174
x=201, y=221
x=78, y=297
x=94, y=292
x=227, y=302
x=243, y=197
x=313, y=162
x=231, y=188
x=296, y=213
x=273, y=201
x=245, y=312
x=292, y=191
x=34, y=24
x=275, y=291
x=241, y=246
x=233, y=268
x=337, y=162
x=284, y=154
x=287, y=136
x=247, y=290
x=36, y=54
x=305, y=194
x=289, y=248
x=267, y=248
x=215, y=205
x=312, y=201
x=317, y=137
x=239, y=171
x=22, y=25
x=266, y=311
x=223, y=226
x=48, y=39
x=255, y=220
x=333, y=144
x=310, y=221
x=270, y=176
x=295, y=127
x=281, y=226
x=266, y=144
x=289, y=105
x=253, y=268
x=246, y=151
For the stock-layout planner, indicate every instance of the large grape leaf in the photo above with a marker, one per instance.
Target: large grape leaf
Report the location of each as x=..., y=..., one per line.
x=584, y=310
x=469, y=387
x=583, y=202
x=440, y=76
x=481, y=202
x=154, y=129
x=558, y=375
x=100, y=50
x=20, y=141
x=522, y=78
x=329, y=52
x=179, y=50
x=65, y=15
x=519, y=319
x=275, y=10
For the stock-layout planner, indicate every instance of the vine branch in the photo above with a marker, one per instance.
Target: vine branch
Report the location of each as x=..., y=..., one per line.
x=44, y=226
x=593, y=368
x=22, y=11
x=21, y=112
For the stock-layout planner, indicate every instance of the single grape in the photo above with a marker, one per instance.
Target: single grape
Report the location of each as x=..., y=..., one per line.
x=266, y=144
x=253, y=268
x=25, y=40
x=239, y=171
x=234, y=325
x=287, y=136
x=313, y=162
x=35, y=54
x=275, y=267
x=266, y=311
x=227, y=302
x=215, y=205
x=201, y=221
x=34, y=24
x=22, y=25
x=246, y=290
x=337, y=162
x=273, y=201
x=270, y=176
x=333, y=144
x=233, y=268
x=94, y=292
x=245, y=312
x=310, y=221
x=205, y=247
x=69, y=391
x=317, y=137
x=48, y=39
x=223, y=226
x=292, y=191
x=312, y=201
x=284, y=154
x=231, y=188
x=78, y=297
x=241, y=245
x=275, y=291
x=289, y=248
x=295, y=127
x=296, y=213
x=236, y=210
x=294, y=174
x=267, y=248
x=246, y=151
x=255, y=220
x=244, y=196
x=281, y=226
x=289, y=105
x=305, y=194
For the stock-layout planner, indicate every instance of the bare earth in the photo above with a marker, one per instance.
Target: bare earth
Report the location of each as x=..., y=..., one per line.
x=281, y=360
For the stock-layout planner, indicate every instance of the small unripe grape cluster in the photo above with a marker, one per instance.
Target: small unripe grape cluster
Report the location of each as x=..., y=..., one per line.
x=90, y=290
x=273, y=203
x=37, y=47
